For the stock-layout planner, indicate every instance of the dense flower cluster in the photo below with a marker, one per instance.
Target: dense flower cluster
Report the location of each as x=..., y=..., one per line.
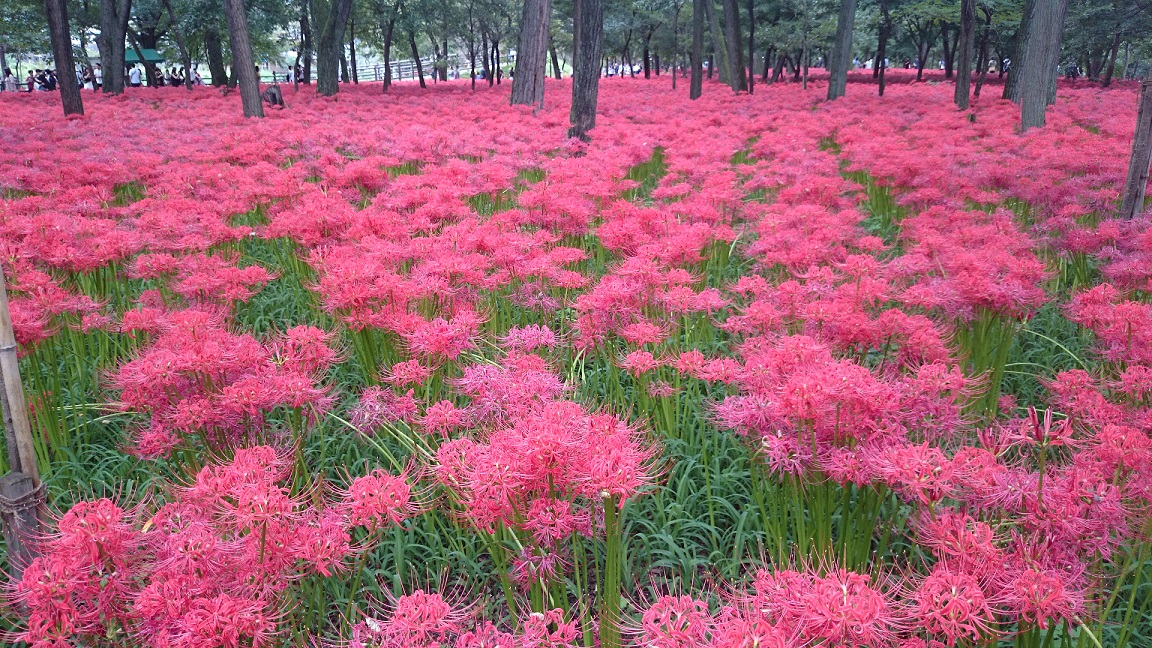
x=208, y=568
x=823, y=295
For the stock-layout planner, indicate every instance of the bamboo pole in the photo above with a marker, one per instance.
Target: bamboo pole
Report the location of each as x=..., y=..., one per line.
x=18, y=430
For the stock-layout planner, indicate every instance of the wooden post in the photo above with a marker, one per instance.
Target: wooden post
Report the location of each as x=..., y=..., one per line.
x=1137, y=184
x=21, y=494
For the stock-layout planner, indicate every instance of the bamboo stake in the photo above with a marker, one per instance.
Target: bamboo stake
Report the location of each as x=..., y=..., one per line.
x=18, y=430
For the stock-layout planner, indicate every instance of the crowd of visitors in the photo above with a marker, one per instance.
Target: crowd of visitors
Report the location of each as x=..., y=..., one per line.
x=92, y=78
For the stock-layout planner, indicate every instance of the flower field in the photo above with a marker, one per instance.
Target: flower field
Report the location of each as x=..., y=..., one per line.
x=415, y=370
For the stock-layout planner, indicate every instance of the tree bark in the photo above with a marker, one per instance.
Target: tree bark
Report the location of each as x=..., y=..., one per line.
x=113, y=28
x=841, y=50
x=882, y=46
x=752, y=46
x=1052, y=48
x=719, y=44
x=735, y=52
x=647, y=55
x=964, y=52
x=57, y=12
x=306, y=39
x=1020, y=55
x=984, y=53
x=352, y=50
x=696, y=60
x=1111, y=69
x=416, y=58
x=215, y=52
x=1038, y=70
x=555, y=59
x=587, y=45
x=1137, y=184
x=330, y=49
x=181, y=44
x=386, y=28
x=485, y=52
x=242, y=64
x=531, y=55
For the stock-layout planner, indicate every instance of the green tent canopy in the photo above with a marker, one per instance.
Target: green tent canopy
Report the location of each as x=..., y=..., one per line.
x=150, y=55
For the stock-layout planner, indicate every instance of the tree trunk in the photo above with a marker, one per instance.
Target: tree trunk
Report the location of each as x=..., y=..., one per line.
x=882, y=46
x=1137, y=184
x=675, y=44
x=766, y=75
x=964, y=52
x=497, y=64
x=113, y=27
x=485, y=57
x=181, y=44
x=531, y=55
x=647, y=56
x=587, y=43
x=242, y=64
x=306, y=39
x=330, y=49
x=950, y=47
x=215, y=50
x=841, y=50
x=1040, y=51
x=1052, y=48
x=555, y=59
x=352, y=49
x=735, y=51
x=416, y=58
x=387, y=28
x=1111, y=69
x=696, y=60
x=471, y=45
x=1020, y=54
x=984, y=53
x=343, y=65
x=719, y=44
x=57, y=12
x=752, y=46
x=922, y=58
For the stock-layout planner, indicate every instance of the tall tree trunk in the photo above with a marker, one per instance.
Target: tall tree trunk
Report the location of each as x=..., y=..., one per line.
x=306, y=39
x=330, y=49
x=485, y=51
x=497, y=64
x=676, y=44
x=587, y=46
x=735, y=51
x=1052, y=48
x=984, y=53
x=1038, y=70
x=215, y=51
x=57, y=13
x=113, y=28
x=343, y=65
x=696, y=60
x=1111, y=69
x=647, y=56
x=1132, y=204
x=922, y=58
x=242, y=64
x=949, y=47
x=471, y=45
x=719, y=44
x=766, y=75
x=841, y=50
x=531, y=55
x=387, y=28
x=416, y=58
x=752, y=45
x=181, y=44
x=352, y=49
x=555, y=59
x=1021, y=51
x=882, y=46
x=964, y=52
